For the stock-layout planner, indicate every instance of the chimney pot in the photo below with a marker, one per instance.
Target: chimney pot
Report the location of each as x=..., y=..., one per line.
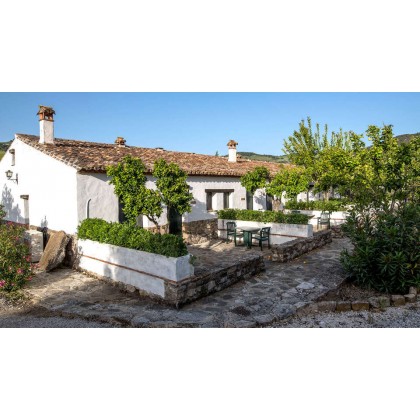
x=232, y=150
x=120, y=142
x=46, y=124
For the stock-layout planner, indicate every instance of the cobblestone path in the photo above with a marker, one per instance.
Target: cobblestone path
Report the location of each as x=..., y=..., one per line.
x=266, y=298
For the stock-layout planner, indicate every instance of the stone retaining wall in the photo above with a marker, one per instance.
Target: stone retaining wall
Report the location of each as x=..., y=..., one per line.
x=197, y=287
x=199, y=231
x=293, y=249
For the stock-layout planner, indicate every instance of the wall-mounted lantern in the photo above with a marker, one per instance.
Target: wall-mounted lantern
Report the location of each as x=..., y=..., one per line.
x=9, y=175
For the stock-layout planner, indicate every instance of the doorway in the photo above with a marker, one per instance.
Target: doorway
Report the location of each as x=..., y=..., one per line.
x=175, y=221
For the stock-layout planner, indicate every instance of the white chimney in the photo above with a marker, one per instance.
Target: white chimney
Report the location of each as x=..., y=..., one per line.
x=46, y=125
x=232, y=150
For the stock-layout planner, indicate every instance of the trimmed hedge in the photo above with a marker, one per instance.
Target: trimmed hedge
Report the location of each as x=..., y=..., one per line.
x=130, y=236
x=331, y=205
x=263, y=216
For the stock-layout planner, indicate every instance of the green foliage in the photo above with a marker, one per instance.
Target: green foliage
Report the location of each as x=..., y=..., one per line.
x=129, y=180
x=15, y=265
x=329, y=160
x=330, y=205
x=386, y=248
x=262, y=216
x=255, y=179
x=130, y=236
x=1, y=154
x=384, y=223
x=171, y=182
x=292, y=180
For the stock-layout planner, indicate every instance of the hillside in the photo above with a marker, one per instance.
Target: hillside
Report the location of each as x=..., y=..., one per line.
x=266, y=158
x=260, y=157
x=405, y=138
x=3, y=147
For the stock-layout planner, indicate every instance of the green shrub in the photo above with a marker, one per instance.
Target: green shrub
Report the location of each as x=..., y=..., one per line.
x=331, y=205
x=386, y=248
x=130, y=236
x=262, y=216
x=15, y=261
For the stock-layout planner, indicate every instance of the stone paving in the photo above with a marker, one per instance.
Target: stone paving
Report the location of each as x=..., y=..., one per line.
x=219, y=254
x=262, y=300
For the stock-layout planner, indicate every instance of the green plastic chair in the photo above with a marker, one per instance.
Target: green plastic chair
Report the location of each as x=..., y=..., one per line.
x=232, y=231
x=324, y=219
x=263, y=235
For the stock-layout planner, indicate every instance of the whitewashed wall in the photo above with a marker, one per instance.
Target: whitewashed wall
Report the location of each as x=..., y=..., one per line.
x=199, y=185
x=50, y=184
x=96, y=190
x=104, y=203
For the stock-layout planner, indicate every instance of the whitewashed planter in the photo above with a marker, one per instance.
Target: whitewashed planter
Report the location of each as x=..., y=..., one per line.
x=279, y=233
x=336, y=218
x=145, y=271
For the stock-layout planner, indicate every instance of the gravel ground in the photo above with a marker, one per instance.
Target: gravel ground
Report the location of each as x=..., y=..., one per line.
x=28, y=321
x=401, y=317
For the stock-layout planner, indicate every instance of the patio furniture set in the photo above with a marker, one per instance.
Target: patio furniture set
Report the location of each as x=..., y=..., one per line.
x=250, y=233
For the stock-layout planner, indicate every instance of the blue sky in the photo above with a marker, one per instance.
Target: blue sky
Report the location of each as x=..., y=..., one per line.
x=204, y=122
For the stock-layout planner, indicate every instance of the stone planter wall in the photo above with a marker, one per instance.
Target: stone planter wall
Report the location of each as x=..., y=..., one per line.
x=147, y=272
x=293, y=249
x=336, y=218
x=165, y=279
x=279, y=233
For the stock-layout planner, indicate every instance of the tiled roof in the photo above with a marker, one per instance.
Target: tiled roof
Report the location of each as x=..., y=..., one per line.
x=95, y=157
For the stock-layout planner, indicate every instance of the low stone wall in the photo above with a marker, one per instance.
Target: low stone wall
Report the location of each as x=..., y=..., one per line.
x=293, y=249
x=199, y=231
x=162, y=229
x=373, y=303
x=198, y=287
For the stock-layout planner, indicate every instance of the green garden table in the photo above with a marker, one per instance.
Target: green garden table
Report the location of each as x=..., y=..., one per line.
x=248, y=231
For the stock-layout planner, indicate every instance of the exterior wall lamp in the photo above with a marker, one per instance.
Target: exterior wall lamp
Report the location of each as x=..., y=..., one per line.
x=9, y=175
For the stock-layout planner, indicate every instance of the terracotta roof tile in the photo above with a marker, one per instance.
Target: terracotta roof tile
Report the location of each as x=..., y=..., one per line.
x=95, y=157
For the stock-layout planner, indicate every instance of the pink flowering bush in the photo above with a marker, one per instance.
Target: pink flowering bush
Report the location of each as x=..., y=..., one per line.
x=15, y=262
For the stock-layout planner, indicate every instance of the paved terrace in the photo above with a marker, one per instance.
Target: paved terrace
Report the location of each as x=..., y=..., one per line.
x=261, y=300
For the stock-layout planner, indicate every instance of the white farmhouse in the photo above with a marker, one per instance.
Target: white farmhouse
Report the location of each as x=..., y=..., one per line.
x=56, y=183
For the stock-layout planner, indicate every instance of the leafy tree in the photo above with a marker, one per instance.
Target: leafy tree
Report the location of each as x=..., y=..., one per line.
x=292, y=180
x=171, y=182
x=129, y=180
x=255, y=179
x=329, y=160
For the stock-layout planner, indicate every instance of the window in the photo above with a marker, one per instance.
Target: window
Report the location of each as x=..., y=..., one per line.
x=12, y=152
x=209, y=200
x=249, y=201
x=220, y=199
x=226, y=197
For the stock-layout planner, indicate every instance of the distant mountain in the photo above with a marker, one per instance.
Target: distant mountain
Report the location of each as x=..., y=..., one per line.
x=260, y=157
x=405, y=138
x=266, y=158
x=3, y=147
